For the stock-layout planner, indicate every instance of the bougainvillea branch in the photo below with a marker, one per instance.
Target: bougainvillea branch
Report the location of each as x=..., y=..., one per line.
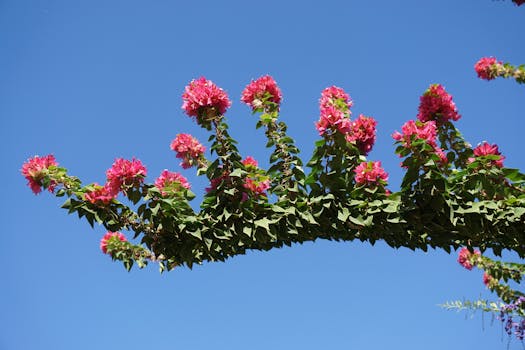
x=451, y=195
x=489, y=68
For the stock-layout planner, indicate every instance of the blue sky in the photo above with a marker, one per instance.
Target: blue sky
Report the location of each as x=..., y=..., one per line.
x=93, y=81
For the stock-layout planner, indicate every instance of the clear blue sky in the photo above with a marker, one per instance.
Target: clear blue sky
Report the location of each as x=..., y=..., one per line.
x=90, y=81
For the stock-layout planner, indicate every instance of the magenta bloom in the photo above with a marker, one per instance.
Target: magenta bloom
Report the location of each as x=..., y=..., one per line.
x=335, y=96
x=202, y=97
x=424, y=131
x=370, y=174
x=484, y=67
x=189, y=149
x=334, y=106
x=487, y=279
x=250, y=162
x=333, y=119
x=363, y=133
x=465, y=256
x=171, y=182
x=125, y=172
x=111, y=236
x=103, y=194
x=35, y=169
x=485, y=149
x=437, y=105
x=257, y=186
x=263, y=88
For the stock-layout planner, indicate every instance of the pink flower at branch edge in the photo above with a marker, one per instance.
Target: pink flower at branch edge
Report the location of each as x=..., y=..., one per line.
x=334, y=107
x=203, y=95
x=34, y=170
x=484, y=67
x=257, y=90
x=189, y=149
x=465, y=256
x=125, y=172
x=104, y=194
x=171, y=180
x=487, y=279
x=257, y=186
x=108, y=236
x=370, y=173
x=424, y=131
x=436, y=105
x=363, y=133
x=485, y=149
x=250, y=162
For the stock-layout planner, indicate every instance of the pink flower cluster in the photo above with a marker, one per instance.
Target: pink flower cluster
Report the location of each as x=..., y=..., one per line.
x=250, y=163
x=437, y=105
x=189, y=149
x=370, y=174
x=110, y=236
x=363, y=133
x=335, y=111
x=485, y=149
x=487, y=279
x=202, y=96
x=34, y=170
x=122, y=174
x=255, y=182
x=465, y=257
x=484, y=67
x=423, y=131
x=169, y=182
x=258, y=90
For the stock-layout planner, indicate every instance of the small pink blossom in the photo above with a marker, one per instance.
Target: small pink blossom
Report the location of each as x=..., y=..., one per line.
x=257, y=186
x=170, y=181
x=110, y=236
x=333, y=119
x=424, y=131
x=465, y=257
x=487, y=279
x=215, y=182
x=334, y=106
x=363, y=133
x=250, y=162
x=437, y=105
x=35, y=169
x=370, y=174
x=125, y=172
x=101, y=194
x=203, y=97
x=264, y=87
x=189, y=149
x=485, y=149
x=484, y=67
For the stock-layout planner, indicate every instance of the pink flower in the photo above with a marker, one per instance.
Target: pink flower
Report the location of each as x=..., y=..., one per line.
x=104, y=194
x=171, y=182
x=484, y=67
x=189, y=149
x=333, y=119
x=424, y=131
x=465, y=257
x=110, y=236
x=371, y=174
x=485, y=149
x=335, y=111
x=363, y=133
x=203, y=99
x=35, y=169
x=487, y=279
x=437, y=105
x=258, y=187
x=335, y=96
x=250, y=162
x=215, y=182
x=258, y=90
x=125, y=172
